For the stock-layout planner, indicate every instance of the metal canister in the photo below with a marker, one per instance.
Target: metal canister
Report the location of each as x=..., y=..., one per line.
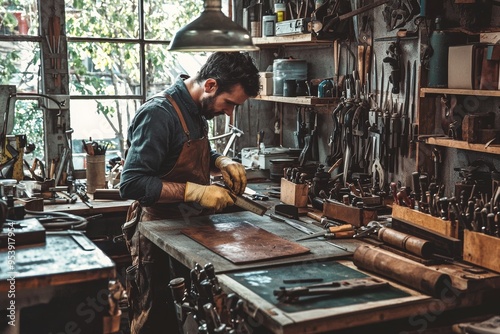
x=268, y=25
x=438, y=62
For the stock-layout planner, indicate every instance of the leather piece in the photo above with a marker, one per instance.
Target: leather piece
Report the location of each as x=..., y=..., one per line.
x=243, y=242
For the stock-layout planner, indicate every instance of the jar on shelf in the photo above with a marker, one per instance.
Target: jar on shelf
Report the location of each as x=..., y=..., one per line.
x=8, y=188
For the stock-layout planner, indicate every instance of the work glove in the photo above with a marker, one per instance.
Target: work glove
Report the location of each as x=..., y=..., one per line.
x=209, y=197
x=233, y=173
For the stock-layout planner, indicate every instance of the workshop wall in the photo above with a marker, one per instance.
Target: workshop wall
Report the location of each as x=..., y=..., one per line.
x=258, y=115
x=261, y=116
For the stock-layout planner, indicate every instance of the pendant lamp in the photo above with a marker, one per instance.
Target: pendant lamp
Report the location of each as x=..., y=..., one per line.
x=212, y=31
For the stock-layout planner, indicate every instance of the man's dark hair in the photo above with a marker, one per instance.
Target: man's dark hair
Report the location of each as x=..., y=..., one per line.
x=229, y=69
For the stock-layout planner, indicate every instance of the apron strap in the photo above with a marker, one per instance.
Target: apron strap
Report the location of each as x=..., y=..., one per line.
x=179, y=114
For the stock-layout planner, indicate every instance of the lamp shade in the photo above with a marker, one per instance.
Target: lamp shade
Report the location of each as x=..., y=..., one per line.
x=212, y=31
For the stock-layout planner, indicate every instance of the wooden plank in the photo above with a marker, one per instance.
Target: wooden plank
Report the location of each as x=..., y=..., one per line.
x=99, y=206
x=482, y=249
x=463, y=145
x=303, y=100
x=60, y=261
x=432, y=223
x=288, y=39
x=489, y=37
x=456, y=91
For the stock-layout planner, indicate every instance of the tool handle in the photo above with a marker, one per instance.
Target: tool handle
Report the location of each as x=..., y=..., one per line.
x=341, y=228
x=343, y=234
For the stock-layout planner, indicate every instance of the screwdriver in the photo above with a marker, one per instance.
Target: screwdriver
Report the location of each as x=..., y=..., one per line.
x=337, y=232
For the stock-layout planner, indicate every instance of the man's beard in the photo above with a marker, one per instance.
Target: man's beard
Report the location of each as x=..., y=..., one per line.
x=207, y=107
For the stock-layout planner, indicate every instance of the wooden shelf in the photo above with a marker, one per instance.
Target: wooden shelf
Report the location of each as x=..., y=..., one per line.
x=302, y=100
x=463, y=145
x=303, y=39
x=451, y=91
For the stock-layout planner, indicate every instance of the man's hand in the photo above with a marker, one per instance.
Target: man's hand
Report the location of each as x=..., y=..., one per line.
x=233, y=173
x=209, y=197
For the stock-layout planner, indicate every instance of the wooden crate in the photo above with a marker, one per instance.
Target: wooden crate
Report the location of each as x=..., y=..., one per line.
x=432, y=223
x=349, y=214
x=482, y=249
x=293, y=193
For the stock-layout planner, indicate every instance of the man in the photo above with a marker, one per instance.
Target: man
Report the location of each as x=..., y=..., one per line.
x=167, y=170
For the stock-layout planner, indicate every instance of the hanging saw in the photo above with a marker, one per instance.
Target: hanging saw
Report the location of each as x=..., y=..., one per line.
x=328, y=21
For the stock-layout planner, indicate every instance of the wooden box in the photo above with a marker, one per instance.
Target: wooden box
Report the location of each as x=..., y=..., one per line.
x=349, y=214
x=482, y=249
x=432, y=223
x=293, y=193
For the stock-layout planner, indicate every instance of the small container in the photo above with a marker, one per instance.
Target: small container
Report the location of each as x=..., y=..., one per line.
x=285, y=69
x=96, y=173
x=302, y=88
x=289, y=87
x=268, y=25
x=21, y=190
x=280, y=10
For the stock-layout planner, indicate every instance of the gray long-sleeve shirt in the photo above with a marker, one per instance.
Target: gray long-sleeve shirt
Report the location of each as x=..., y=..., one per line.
x=155, y=138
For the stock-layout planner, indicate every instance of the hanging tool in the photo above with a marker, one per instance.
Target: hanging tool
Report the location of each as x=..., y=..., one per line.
x=300, y=129
x=364, y=51
x=414, y=125
x=394, y=60
x=378, y=175
x=405, y=119
x=329, y=20
x=314, y=137
x=307, y=151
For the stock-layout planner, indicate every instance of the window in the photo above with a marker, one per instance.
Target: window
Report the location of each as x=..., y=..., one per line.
x=20, y=74
x=117, y=56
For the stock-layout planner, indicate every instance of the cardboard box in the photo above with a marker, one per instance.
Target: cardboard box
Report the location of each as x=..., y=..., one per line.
x=464, y=66
x=293, y=193
x=266, y=83
x=482, y=249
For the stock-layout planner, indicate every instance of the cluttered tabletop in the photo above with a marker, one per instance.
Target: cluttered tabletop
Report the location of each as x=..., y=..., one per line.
x=303, y=268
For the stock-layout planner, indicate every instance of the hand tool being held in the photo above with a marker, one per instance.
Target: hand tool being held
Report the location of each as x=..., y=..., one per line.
x=233, y=173
x=209, y=197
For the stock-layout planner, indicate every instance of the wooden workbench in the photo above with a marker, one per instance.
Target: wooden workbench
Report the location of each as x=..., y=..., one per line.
x=52, y=284
x=100, y=206
x=167, y=235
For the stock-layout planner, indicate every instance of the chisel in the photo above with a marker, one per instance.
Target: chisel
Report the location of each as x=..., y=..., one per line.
x=336, y=232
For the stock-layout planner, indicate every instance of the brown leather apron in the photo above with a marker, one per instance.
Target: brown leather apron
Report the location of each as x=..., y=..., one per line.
x=150, y=304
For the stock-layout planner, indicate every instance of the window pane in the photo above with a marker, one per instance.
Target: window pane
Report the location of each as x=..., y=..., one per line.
x=19, y=65
x=19, y=17
x=105, y=121
x=103, y=18
x=28, y=120
x=104, y=68
x=163, y=67
x=164, y=18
